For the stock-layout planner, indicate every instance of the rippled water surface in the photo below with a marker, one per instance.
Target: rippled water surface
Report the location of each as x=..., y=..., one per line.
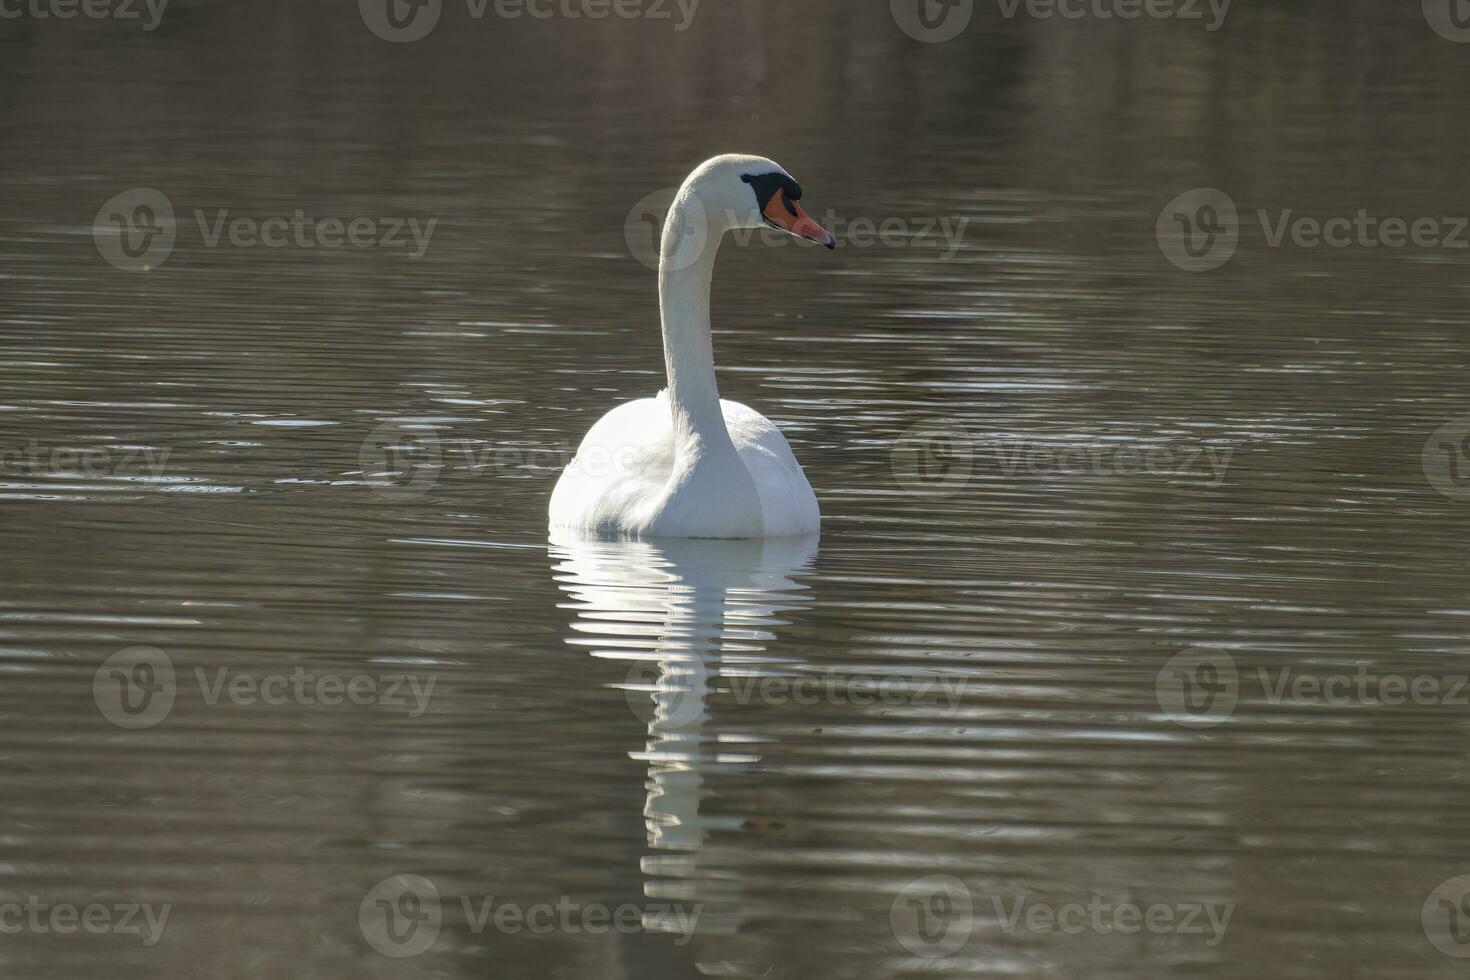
x=1097, y=529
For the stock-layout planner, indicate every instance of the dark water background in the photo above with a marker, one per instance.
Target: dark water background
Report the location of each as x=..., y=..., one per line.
x=189, y=469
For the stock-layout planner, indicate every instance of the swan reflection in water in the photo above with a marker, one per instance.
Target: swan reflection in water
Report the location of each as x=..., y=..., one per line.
x=683, y=613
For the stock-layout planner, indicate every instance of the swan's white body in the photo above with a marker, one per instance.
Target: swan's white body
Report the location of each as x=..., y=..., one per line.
x=686, y=463
x=634, y=476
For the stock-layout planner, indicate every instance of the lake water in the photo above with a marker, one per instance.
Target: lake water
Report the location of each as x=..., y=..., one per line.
x=1134, y=639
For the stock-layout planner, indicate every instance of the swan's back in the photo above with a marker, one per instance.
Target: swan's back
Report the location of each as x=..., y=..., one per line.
x=787, y=502
x=621, y=479
x=620, y=471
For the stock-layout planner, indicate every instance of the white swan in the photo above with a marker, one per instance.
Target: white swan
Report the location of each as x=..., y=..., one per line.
x=687, y=464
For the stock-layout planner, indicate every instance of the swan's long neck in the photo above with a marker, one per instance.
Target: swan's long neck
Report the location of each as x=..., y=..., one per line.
x=685, y=271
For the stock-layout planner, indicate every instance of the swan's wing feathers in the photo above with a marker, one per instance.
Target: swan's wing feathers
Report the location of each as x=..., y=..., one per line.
x=621, y=465
x=620, y=479
x=787, y=501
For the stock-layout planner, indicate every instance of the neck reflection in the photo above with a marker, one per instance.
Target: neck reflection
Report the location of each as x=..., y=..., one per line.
x=682, y=614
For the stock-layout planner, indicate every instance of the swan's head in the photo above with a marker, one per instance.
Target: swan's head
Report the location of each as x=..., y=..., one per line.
x=740, y=191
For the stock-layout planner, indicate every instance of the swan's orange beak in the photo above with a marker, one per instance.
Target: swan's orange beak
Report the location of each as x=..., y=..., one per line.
x=787, y=215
